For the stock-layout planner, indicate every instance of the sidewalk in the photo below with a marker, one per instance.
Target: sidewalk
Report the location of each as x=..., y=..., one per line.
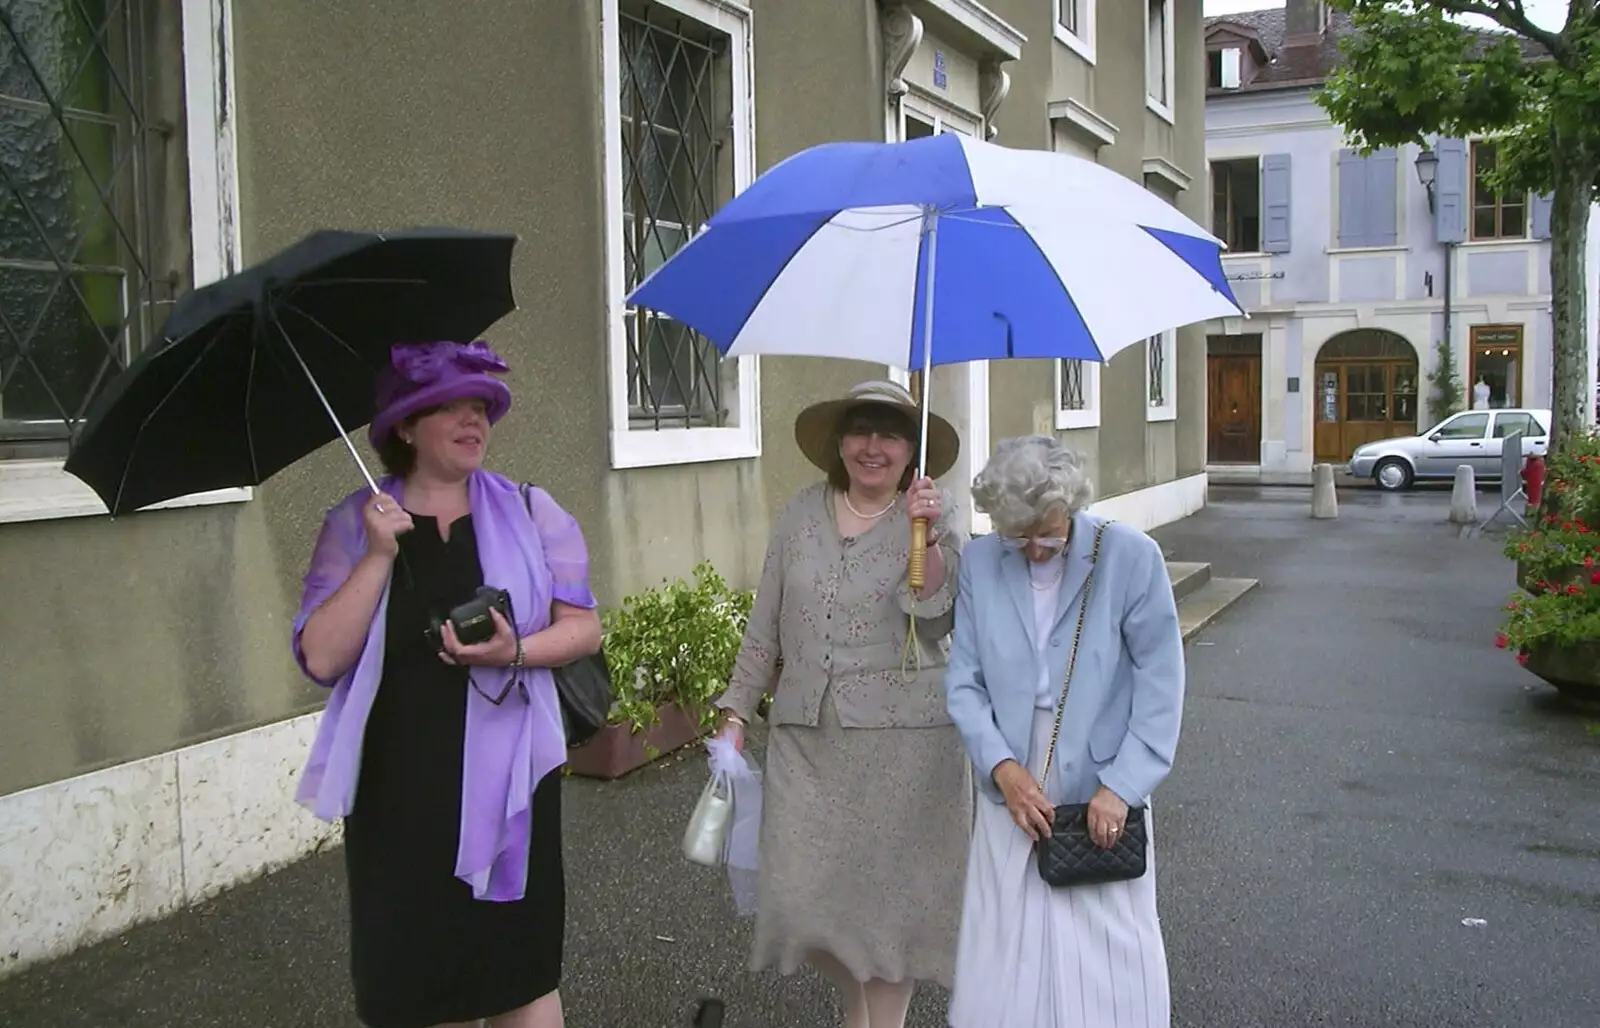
x=1360, y=771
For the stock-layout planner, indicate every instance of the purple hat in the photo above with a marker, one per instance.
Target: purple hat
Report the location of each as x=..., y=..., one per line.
x=424, y=375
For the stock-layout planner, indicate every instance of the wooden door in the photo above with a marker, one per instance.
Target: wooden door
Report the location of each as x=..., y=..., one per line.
x=1363, y=401
x=1233, y=408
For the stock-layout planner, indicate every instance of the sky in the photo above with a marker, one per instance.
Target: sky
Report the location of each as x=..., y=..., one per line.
x=1550, y=14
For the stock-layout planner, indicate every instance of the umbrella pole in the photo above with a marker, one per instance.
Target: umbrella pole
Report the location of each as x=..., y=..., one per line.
x=915, y=573
x=343, y=436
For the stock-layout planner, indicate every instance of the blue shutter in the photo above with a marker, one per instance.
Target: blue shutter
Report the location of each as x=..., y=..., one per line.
x=1352, y=199
x=1450, y=191
x=1541, y=216
x=1275, y=203
x=1382, y=202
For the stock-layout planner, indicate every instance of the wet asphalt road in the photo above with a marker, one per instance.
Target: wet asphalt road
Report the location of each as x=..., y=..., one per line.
x=1360, y=771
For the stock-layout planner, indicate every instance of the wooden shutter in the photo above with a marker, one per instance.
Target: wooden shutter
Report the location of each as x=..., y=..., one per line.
x=1383, y=227
x=1275, y=203
x=1451, y=190
x=1540, y=218
x=1352, y=199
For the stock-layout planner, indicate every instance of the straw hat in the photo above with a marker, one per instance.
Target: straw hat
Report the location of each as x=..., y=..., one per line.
x=817, y=427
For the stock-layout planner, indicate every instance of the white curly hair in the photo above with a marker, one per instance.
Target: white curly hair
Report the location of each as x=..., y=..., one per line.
x=1026, y=479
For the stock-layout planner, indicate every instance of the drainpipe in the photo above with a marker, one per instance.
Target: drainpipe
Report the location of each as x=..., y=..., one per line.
x=1449, y=263
x=1427, y=170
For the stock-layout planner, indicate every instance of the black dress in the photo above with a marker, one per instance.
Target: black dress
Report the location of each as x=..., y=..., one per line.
x=423, y=951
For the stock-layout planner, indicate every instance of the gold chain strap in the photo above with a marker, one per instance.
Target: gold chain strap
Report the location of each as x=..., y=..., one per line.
x=1072, y=657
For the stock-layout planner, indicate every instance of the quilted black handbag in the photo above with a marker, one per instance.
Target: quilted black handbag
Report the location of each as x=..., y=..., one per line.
x=1069, y=856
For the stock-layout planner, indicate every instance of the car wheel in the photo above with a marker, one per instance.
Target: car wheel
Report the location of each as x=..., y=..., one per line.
x=1392, y=475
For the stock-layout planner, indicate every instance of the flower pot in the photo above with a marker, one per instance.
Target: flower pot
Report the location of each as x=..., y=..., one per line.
x=1573, y=669
x=616, y=750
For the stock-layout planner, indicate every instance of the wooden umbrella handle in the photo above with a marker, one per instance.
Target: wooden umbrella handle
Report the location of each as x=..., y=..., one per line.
x=915, y=576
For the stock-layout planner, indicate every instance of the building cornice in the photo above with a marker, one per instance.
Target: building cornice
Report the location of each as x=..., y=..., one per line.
x=994, y=36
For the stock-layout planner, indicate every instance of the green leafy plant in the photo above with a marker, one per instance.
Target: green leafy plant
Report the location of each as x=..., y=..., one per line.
x=674, y=644
x=1560, y=554
x=1410, y=70
x=1446, y=387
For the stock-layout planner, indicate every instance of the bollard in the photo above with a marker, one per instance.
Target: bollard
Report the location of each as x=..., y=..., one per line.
x=1464, y=497
x=1324, y=502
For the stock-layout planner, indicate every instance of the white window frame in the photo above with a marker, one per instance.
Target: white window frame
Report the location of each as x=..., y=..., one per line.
x=39, y=489
x=1168, y=411
x=649, y=447
x=1161, y=106
x=1082, y=42
x=1089, y=416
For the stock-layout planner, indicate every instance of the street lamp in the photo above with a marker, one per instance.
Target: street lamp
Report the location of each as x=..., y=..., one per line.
x=1428, y=172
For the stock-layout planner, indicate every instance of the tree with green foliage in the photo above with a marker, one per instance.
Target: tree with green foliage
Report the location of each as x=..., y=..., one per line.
x=1447, y=389
x=1410, y=71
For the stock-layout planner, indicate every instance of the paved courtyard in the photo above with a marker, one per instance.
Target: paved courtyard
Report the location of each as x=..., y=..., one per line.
x=1376, y=820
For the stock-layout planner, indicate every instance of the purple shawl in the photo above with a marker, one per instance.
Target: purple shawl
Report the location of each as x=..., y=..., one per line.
x=510, y=747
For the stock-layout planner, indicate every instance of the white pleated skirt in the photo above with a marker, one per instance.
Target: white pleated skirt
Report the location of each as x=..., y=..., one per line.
x=1033, y=956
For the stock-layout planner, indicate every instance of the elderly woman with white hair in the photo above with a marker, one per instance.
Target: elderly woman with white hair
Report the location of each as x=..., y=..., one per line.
x=1066, y=680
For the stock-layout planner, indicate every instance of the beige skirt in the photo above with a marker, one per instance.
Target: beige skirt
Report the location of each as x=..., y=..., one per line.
x=864, y=839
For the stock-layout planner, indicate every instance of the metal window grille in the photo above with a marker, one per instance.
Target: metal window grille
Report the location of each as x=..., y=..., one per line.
x=676, y=135
x=1072, y=386
x=1069, y=15
x=1156, y=351
x=79, y=289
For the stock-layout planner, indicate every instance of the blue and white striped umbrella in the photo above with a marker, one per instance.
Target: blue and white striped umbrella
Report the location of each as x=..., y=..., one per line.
x=848, y=249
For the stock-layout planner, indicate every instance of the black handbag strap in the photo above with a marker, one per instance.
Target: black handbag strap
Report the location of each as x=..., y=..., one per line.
x=1072, y=656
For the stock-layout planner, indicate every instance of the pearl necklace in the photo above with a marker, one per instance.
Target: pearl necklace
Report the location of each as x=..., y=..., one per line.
x=868, y=517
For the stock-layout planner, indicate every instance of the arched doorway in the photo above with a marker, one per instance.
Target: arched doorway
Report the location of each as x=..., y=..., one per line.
x=1366, y=389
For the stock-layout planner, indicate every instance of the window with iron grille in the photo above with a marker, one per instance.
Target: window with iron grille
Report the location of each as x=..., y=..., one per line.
x=677, y=168
x=1156, y=361
x=1073, y=394
x=94, y=239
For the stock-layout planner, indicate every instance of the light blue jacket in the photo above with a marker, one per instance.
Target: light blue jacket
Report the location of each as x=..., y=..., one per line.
x=1125, y=707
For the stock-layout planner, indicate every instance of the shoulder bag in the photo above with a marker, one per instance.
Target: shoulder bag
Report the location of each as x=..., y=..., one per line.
x=1069, y=856
x=583, y=686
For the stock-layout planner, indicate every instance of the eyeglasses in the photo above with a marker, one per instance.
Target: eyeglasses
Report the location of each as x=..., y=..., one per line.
x=1012, y=542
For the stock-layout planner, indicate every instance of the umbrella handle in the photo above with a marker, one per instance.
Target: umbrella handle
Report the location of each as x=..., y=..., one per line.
x=915, y=576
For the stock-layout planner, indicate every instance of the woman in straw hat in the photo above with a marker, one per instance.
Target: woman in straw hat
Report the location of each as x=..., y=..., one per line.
x=867, y=808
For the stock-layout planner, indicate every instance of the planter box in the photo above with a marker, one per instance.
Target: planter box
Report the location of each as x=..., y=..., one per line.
x=1573, y=670
x=616, y=750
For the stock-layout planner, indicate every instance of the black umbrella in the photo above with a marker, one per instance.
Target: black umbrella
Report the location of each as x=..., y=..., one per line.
x=257, y=370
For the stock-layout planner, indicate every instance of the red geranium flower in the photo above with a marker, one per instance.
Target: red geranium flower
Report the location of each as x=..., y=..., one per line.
x=1522, y=658
x=1500, y=641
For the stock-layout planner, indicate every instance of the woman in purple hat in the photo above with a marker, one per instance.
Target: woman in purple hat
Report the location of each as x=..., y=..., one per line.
x=445, y=760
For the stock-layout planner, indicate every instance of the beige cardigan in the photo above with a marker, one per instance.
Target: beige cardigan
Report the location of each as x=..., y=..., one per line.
x=835, y=612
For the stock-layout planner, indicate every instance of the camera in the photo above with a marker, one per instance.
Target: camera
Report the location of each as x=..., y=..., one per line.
x=471, y=620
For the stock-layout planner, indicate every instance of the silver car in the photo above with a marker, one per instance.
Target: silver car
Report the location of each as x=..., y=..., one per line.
x=1473, y=437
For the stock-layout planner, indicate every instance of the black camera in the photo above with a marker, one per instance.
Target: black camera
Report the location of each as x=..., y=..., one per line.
x=471, y=620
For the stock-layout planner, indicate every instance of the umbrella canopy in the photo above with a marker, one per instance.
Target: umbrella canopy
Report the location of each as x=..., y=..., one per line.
x=831, y=253
x=257, y=370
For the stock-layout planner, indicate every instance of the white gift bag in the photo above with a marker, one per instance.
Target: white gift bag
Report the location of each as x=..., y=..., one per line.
x=725, y=828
